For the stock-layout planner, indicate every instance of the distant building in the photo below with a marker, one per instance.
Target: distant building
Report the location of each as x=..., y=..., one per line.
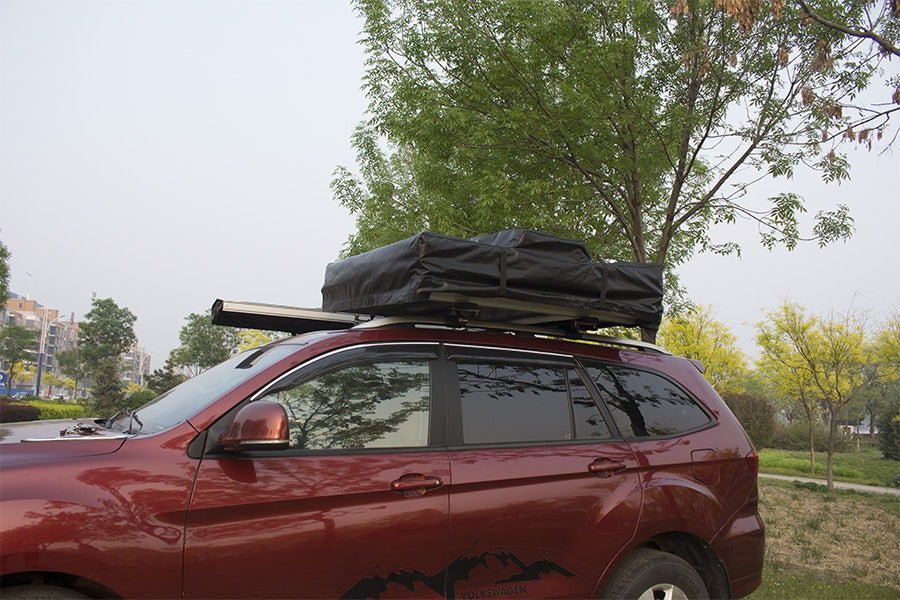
x=136, y=365
x=59, y=334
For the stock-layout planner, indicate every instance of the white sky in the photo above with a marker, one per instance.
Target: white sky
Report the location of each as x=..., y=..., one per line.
x=168, y=152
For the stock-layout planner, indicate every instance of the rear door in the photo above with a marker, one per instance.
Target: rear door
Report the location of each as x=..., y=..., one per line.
x=544, y=494
x=357, y=507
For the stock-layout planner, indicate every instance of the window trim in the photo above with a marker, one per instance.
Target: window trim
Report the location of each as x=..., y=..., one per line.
x=429, y=352
x=565, y=361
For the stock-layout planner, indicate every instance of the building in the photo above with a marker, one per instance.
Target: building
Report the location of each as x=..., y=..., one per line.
x=60, y=334
x=136, y=366
x=57, y=334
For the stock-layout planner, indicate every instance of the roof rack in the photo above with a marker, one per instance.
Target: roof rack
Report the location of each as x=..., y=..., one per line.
x=294, y=320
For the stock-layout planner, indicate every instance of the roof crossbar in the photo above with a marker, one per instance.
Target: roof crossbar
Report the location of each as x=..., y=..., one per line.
x=294, y=320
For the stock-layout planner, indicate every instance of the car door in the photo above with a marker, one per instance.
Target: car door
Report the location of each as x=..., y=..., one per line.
x=356, y=507
x=544, y=494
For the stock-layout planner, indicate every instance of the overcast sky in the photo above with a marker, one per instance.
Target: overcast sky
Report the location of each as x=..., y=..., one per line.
x=166, y=153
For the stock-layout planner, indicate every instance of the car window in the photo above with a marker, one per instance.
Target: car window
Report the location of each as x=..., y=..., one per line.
x=505, y=401
x=646, y=404
x=376, y=404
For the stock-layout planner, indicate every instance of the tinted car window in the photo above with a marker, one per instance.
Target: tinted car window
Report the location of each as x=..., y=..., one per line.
x=377, y=404
x=520, y=401
x=646, y=404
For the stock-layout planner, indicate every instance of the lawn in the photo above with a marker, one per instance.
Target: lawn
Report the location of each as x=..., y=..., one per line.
x=822, y=544
x=865, y=466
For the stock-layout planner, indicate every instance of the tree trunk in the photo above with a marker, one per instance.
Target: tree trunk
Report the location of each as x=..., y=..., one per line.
x=832, y=428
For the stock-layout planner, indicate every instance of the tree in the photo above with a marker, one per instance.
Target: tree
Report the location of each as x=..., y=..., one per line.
x=106, y=333
x=16, y=344
x=697, y=335
x=4, y=275
x=165, y=378
x=71, y=362
x=827, y=359
x=632, y=125
x=204, y=345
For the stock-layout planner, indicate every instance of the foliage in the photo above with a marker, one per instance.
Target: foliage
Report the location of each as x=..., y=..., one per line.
x=887, y=419
x=825, y=360
x=105, y=334
x=697, y=335
x=165, y=378
x=4, y=274
x=108, y=391
x=253, y=338
x=609, y=122
x=796, y=436
x=57, y=410
x=204, y=345
x=14, y=412
x=71, y=362
x=17, y=343
x=865, y=466
x=139, y=398
x=756, y=415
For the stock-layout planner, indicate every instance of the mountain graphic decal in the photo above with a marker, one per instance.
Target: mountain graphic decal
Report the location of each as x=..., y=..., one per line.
x=506, y=566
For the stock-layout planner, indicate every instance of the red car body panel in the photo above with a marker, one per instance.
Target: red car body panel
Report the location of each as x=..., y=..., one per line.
x=152, y=517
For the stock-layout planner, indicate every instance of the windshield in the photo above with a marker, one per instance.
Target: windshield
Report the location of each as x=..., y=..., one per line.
x=186, y=400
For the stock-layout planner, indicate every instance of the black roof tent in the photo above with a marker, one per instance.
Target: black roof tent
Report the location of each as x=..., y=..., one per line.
x=510, y=276
x=521, y=278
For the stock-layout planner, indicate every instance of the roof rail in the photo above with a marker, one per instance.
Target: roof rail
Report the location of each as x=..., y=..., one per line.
x=294, y=320
x=561, y=332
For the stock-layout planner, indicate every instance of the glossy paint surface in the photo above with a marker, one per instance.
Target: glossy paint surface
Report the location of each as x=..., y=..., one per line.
x=151, y=516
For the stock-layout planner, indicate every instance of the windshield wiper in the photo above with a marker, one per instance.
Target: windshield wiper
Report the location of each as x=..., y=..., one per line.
x=132, y=418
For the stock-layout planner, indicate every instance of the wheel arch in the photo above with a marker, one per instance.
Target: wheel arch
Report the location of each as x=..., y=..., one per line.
x=67, y=581
x=687, y=547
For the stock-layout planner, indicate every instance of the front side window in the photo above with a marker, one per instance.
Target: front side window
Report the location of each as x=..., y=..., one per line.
x=377, y=404
x=646, y=404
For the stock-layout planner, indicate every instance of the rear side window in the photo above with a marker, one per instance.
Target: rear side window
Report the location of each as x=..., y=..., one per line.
x=646, y=404
x=508, y=401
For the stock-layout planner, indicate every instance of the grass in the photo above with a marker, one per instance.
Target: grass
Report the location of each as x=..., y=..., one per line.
x=865, y=466
x=822, y=544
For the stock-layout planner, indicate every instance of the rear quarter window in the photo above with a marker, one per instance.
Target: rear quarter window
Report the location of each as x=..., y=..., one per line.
x=646, y=404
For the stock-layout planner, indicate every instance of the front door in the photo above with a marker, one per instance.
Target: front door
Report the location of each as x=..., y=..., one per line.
x=357, y=507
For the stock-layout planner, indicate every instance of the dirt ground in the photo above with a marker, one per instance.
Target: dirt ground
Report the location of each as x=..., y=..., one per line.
x=833, y=535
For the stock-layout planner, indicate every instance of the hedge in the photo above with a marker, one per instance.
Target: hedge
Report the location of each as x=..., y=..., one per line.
x=54, y=410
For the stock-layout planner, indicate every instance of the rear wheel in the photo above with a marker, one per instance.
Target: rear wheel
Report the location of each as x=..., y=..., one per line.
x=655, y=575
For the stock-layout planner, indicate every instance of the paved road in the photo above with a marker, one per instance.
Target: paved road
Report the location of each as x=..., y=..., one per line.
x=837, y=484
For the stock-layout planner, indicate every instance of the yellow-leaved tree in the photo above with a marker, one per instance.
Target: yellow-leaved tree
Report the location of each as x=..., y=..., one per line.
x=825, y=361
x=696, y=334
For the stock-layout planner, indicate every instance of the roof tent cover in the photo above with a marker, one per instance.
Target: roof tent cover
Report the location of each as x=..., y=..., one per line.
x=510, y=276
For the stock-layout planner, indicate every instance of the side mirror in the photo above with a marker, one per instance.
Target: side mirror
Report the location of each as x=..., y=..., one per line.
x=261, y=425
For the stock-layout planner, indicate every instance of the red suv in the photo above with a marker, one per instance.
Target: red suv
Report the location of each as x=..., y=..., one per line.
x=398, y=457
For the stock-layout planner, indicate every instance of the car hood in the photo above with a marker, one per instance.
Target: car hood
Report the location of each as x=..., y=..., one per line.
x=63, y=437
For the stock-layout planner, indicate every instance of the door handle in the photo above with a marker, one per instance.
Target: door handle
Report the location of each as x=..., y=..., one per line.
x=414, y=485
x=604, y=467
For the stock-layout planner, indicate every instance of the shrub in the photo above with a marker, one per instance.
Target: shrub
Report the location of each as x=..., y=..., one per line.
x=888, y=422
x=756, y=415
x=795, y=436
x=14, y=412
x=55, y=410
x=139, y=398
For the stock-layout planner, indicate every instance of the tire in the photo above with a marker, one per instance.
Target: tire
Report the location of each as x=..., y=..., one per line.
x=40, y=592
x=653, y=575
